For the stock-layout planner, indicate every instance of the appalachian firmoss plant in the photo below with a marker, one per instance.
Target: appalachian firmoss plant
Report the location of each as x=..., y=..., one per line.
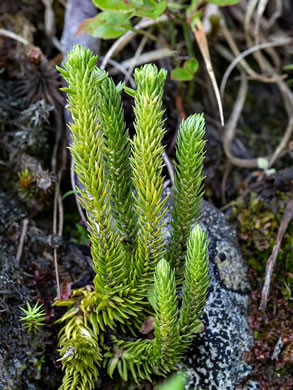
x=137, y=273
x=33, y=317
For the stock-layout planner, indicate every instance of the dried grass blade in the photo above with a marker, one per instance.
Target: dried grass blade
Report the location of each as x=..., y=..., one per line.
x=202, y=42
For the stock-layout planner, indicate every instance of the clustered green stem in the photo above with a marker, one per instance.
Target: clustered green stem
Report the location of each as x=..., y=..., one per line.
x=137, y=274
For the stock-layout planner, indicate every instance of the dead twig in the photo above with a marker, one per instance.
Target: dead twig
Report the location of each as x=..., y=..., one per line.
x=58, y=205
x=259, y=14
x=119, y=68
x=282, y=145
x=150, y=56
x=276, y=15
x=284, y=90
x=135, y=58
x=250, y=11
x=245, y=53
x=255, y=11
x=234, y=117
x=56, y=196
x=270, y=266
x=61, y=215
x=231, y=127
x=242, y=63
x=202, y=43
x=58, y=137
x=12, y=35
x=224, y=182
x=179, y=104
x=50, y=24
x=21, y=241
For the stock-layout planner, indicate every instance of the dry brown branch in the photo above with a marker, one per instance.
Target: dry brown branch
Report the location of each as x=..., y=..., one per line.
x=242, y=62
x=58, y=138
x=288, y=103
x=275, y=78
x=250, y=10
x=202, y=43
x=283, y=144
x=277, y=13
x=259, y=14
x=135, y=58
x=21, y=241
x=60, y=201
x=254, y=19
x=234, y=117
x=224, y=182
x=270, y=266
x=58, y=205
x=12, y=35
x=179, y=104
x=55, y=208
x=50, y=25
x=231, y=127
x=284, y=90
x=150, y=56
x=120, y=68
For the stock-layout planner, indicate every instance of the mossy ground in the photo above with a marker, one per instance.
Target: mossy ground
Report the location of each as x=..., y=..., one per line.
x=258, y=221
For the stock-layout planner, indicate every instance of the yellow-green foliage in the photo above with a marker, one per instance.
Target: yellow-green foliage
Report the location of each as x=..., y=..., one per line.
x=122, y=194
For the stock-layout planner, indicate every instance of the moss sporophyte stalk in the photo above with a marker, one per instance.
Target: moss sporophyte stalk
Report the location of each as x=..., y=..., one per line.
x=137, y=274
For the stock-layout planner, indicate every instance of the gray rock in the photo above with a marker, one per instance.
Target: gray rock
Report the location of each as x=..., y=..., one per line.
x=76, y=12
x=214, y=360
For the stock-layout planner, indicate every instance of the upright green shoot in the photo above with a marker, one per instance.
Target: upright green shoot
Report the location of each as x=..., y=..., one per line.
x=188, y=190
x=137, y=274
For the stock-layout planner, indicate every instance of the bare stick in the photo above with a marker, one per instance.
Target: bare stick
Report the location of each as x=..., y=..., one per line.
x=135, y=58
x=231, y=127
x=244, y=65
x=144, y=58
x=244, y=54
x=273, y=258
x=12, y=35
x=56, y=196
x=224, y=182
x=21, y=241
x=282, y=145
x=202, y=42
x=261, y=6
x=232, y=123
x=277, y=14
x=250, y=11
x=117, y=67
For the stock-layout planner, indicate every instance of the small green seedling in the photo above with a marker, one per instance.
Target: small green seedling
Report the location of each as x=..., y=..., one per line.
x=187, y=72
x=33, y=318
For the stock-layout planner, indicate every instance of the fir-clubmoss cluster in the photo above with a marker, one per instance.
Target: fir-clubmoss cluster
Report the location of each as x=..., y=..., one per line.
x=137, y=273
x=33, y=317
